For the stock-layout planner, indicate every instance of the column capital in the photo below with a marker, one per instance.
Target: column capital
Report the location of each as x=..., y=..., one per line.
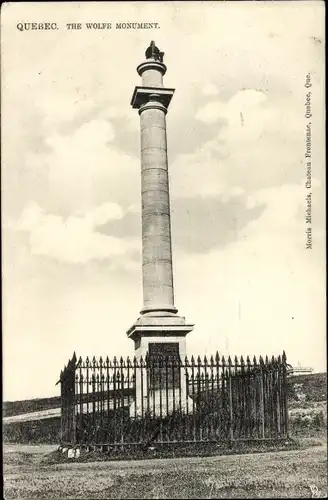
x=142, y=95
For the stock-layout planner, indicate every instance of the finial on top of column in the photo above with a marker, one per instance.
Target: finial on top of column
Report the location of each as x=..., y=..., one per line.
x=153, y=52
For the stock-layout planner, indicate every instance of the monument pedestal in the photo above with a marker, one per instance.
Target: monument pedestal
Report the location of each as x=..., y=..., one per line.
x=159, y=338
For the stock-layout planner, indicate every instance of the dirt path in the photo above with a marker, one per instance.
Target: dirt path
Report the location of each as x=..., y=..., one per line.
x=29, y=448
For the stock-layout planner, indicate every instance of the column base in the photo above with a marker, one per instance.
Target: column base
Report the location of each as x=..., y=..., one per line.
x=162, y=311
x=153, y=327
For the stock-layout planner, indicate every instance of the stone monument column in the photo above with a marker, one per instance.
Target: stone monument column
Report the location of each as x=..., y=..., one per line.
x=159, y=322
x=157, y=274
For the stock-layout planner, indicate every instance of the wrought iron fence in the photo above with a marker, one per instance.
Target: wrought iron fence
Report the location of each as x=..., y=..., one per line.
x=166, y=400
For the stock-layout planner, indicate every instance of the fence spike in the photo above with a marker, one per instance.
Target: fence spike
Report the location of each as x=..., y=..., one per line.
x=211, y=360
x=248, y=361
x=254, y=360
x=100, y=362
x=199, y=361
x=242, y=362
x=266, y=360
x=229, y=360
x=128, y=362
x=192, y=359
x=217, y=357
x=284, y=357
x=223, y=361
x=115, y=361
x=261, y=360
x=279, y=359
x=134, y=361
x=205, y=360
x=87, y=361
x=186, y=361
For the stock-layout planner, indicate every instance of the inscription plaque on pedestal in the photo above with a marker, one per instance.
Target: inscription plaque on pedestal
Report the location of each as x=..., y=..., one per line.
x=164, y=371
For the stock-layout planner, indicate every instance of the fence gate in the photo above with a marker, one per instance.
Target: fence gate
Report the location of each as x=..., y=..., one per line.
x=165, y=400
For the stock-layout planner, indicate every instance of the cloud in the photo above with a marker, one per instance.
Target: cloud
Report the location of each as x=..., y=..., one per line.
x=89, y=136
x=63, y=108
x=102, y=214
x=268, y=289
x=74, y=239
x=29, y=219
x=200, y=175
x=248, y=152
x=248, y=112
x=210, y=89
x=83, y=169
x=260, y=141
x=71, y=144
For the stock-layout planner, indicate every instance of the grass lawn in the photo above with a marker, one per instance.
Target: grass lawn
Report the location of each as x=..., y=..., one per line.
x=30, y=473
x=284, y=474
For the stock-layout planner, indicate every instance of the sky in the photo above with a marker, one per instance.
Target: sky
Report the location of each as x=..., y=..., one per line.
x=71, y=221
